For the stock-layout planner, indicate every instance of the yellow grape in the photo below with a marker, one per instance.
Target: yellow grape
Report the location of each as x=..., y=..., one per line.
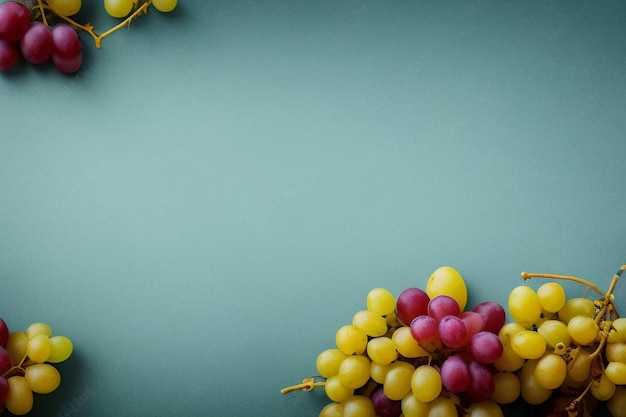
x=509, y=361
x=118, y=8
x=351, y=340
x=369, y=322
x=381, y=301
x=509, y=330
x=19, y=398
x=398, y=382
x=551, y=297
x=506, y=387
x=484, y=409
x=447, y=281
x=16, y=346
x=164, y=5
x=336, y=391
x=406, y=344
x=550, y=371
x=65, y=7
x=603, y=389
x=379, y=372
x=577, y=307
x=617, y=403
x=354, y=371
x=524, y=305
x=37, y=329
x=412, y=407
x=328, y=362
x=426, y=383
x=579, y=368
x=382, y=350
x=42, y=378
x=38, y=348
x=358, y=406
x=583, y=330
x=61, y=348
x=616, y=372
x=615, y=352
x=617, y=334
x=529, y=344
x=442, y=407
x=530, y=390
x=332, y=410
x=554, y=332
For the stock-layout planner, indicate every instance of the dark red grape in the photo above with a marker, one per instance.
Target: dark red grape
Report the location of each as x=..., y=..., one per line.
x=411, y=303
x=14, y=21
x=9, y=54
x=37, y=44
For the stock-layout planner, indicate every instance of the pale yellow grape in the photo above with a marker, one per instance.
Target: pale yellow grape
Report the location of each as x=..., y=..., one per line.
x=38, y=328
x=42, y=378
x=328, y=362
x=332, y=410
x=615, y=352
x=164, y=6
x=442, y=407
x=118, y=8
x=426, y=383
x=506, y=387
x=336, y=391
x=554, y=332
x=354, y=371
x=381, y=301
x=484, y=409
x=38, y=348
x=379, y=372
x=617, y=403
x=616, y=372
x=550, y=371
x=61, y=349
x=524, y=306
x=447, y=281
x=551, y=296
x=382, y=350
x=406, y=345
x=412, y=407
x=508, y=330
x=577, y=307
x=358, y=406
x=392, y=320
x=579, y=368
x=19, y=398
x=65, y=7
x=16, y=346
x=398, y=382
x=583, y=330
x=528, y=344
x=603, y=389
x=617, y=334
x=530, y=390
x=369, y=322
x=351, y=340
x=509, y=361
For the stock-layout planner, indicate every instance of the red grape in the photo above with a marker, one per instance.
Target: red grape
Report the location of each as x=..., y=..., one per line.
x=481, y=384
x=37, y=44
x=4, y=333
x=9, y=54
x=411, y=303
x=455, y=374
x=384, y=406
x=486, y=347
x=493, y=315
x=14, y=21
x=453, y=332
x=442, y=306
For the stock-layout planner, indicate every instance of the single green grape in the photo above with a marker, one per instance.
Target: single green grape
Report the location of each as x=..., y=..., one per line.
x=382, y=350
x=61, y=348
x=426, y=383
x=42, y=378
x=118, y=8
x=65, y=7
x=164, y=6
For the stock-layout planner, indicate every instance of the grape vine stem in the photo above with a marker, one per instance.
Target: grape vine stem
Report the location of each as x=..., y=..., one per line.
x=529, y=275
x=307, y=385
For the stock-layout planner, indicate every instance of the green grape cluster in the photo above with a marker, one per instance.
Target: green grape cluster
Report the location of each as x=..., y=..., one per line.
x=27, y=361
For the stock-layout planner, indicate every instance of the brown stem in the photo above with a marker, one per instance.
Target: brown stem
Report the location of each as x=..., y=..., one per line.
x=529, y=275
x=307, y=385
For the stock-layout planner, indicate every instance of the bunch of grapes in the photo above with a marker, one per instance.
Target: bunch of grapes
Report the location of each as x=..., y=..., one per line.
x=44, y=31
x=421, y=355
x=26, y=360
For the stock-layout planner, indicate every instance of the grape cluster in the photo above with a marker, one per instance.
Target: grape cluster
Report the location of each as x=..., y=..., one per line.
x=45, y=32
x=26, y=360
x=421, y=355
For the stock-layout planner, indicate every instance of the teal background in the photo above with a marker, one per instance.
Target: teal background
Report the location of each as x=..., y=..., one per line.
x=212, y=196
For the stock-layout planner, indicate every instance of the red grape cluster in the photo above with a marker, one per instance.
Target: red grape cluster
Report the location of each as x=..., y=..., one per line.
x=35, y=41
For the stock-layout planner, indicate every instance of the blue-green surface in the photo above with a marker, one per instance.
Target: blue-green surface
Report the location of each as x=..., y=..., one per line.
x=214, y=194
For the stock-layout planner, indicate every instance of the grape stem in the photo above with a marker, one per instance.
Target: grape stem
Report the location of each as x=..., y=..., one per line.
x=307, y=385
x=529, y=275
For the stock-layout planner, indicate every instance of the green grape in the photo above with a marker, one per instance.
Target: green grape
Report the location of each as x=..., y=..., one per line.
x=447, y=281
x=615, y=352
x=426, y=383
x=38, y=348
x=42, y=378
x=530, y=390
x=603, y=389
x=351, y=340
x=354, y=371
x=19, y=398
x=16, y=346
x=332, y=410
x=118, y=8
x=617, y=334
x=36, y=329
x=551, y=296
x=164, y=5
x=379, y=372
x=509, y=361
x=550, y=371
x=61, y=348
x=616, y=372
x=506, y=387
x=484, y=409
x=406, y=344
x=577, y=307
x=397, y=382
x=382, y=350
x=528, y=344
x=524, y=305
x=358, y=406
x=327, y=362
x=369, y=322
x=583, y=330
x=336, y=391
x=554, y=332
x=381, y=301
x=509, y=330
x=65, y=7
x=579, y=368
x=412, y=407
x=617, y=403
x=442, y=407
